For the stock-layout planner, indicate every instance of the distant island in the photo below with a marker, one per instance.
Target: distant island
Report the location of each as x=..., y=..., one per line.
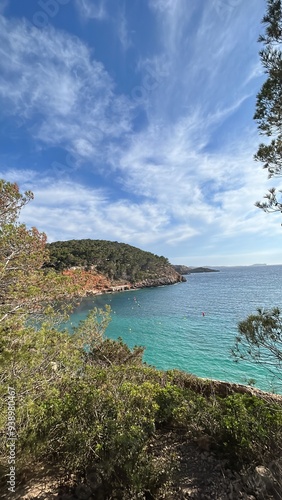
x=189, y=270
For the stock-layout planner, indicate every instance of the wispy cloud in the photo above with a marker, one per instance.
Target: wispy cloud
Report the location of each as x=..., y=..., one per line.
x=67, y=209
x=61, y=93
x=122, y=30
x=90, y=9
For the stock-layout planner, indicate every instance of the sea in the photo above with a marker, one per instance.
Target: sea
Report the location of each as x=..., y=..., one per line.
x=191, y=326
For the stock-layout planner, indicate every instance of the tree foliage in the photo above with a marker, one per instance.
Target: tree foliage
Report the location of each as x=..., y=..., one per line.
x=268, y=112
x=11, y=201
x=260, y=341
x=26, y=287
x=259, y=338
x=115, y=260
x=29, y=295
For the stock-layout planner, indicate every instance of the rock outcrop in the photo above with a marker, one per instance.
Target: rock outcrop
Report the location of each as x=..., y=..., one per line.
x=93, y=283
x=182, y=269
x=171, y=278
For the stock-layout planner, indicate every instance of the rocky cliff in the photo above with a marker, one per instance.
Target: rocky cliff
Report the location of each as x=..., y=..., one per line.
x=169, y=278
x=93, y=283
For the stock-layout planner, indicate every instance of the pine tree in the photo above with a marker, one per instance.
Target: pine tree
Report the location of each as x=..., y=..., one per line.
x=268, y=112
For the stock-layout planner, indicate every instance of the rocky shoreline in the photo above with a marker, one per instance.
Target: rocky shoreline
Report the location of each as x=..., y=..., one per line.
x=90, y=283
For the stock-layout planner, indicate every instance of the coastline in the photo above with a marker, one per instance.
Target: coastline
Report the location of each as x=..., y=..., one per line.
x=89, y=284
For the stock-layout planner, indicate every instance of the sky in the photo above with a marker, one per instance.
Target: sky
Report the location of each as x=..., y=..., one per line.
x=132, y=121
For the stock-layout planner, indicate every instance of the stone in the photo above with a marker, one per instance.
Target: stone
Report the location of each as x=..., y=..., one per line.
x=264, y=481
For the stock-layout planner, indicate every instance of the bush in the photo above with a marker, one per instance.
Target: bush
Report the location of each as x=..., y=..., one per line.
x=249, y=428
x=94, y=420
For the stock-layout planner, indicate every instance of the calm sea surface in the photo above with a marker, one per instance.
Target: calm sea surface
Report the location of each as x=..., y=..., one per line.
x=169, y=322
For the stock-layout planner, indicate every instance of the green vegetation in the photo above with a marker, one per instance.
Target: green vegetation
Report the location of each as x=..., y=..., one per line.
x=260, y=335
x=113, y=259
x=106, y=420
x=88, y=405
x=269, y=101
x=260, y=340
x=24, y=284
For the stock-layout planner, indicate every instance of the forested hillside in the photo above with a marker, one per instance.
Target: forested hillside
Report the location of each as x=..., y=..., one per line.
x=114, y=260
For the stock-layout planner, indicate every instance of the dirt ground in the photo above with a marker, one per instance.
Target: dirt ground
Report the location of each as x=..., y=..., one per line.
x=199, y=475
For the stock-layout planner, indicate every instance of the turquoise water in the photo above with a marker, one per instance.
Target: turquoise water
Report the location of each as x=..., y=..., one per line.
x=168, y=321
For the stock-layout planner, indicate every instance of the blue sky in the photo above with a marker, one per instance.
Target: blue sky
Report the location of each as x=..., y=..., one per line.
x=132, y=121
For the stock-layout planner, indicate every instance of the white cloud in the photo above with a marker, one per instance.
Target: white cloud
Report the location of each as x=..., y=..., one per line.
x=122, y=30
x=51, y=78
x=208, y=60
x=256, y=71
x=92, y=10
x=65, y=209
x=209, y=192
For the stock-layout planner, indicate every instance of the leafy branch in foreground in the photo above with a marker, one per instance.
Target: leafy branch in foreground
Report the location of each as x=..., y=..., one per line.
x=25, y=287
x=260, y=340
x=268, y=112
x=11, y=201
